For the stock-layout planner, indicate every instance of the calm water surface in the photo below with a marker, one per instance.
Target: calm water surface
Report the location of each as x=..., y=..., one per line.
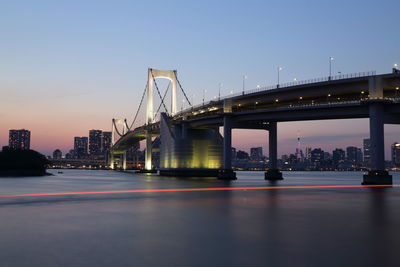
x=284, y=227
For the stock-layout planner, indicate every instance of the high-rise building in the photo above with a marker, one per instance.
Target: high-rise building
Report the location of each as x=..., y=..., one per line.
x=308, y=153
x=367, y=151
x=396, y=154
x=95, y=142
x=70, y=154
x=317, y=155
x=351, y=152
x=256, y=153
x=19, y=139
x=359, y=157
x=80, y=147
x=233, y=153
x=338, y=156
x=106, y=142
x=57, y=154
x=327, y=156
x=242, y=155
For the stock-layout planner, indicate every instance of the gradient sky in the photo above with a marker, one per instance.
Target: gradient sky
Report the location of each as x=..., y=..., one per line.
x=70, y=66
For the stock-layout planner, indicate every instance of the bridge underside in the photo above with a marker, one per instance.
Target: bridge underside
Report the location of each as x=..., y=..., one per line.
x=129, y=139
x=259, y=119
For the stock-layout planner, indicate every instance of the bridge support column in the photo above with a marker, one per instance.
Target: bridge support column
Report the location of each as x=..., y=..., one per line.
x=377, y=174
x=227, y=173
x=111, y=161
x=148, y=163
x=124, y=161
x=273, y=173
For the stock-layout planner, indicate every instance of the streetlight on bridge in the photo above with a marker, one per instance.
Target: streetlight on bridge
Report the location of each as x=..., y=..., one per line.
x=330, y=67
x=219, y=90
x=362, y=94
x=279, y=70
x=327, y=97
x=396, y=68
x=204, y=95
x=244, y=78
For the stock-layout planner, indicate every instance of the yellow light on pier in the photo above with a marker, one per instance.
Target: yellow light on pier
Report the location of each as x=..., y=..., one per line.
x=148, y=164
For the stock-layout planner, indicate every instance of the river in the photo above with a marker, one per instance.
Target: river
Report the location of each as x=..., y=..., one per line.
x=154, y=223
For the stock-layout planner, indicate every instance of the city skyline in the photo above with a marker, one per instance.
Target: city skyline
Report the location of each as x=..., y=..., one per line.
x=71, y=73
x=286, y=146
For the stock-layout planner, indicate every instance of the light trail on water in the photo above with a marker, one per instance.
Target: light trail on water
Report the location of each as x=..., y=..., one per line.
x=196, y=190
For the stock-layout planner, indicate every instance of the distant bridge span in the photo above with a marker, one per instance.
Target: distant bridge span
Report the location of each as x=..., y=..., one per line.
x=364, y=95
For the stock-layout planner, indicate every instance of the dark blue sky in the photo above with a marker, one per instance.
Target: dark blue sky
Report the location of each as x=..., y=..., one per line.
x=81, y=63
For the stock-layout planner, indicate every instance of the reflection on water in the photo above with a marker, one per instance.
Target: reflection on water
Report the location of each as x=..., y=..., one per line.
x=285, y=227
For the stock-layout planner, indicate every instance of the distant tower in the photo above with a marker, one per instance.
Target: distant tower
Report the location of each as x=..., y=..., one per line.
x=299, y=153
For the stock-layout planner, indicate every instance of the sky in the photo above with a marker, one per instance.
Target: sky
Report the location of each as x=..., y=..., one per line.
x=70, y=66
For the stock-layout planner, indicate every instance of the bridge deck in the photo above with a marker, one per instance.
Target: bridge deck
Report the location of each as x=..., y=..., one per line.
x=318, y=100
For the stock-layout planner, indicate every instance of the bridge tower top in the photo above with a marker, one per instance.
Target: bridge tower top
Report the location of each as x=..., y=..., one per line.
x=152, y=75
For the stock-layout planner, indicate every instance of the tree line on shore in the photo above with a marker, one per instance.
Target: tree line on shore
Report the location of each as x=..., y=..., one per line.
x=22, y=162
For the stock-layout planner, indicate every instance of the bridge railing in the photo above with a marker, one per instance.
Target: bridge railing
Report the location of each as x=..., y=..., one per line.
x=282, y=85
x=302, y=82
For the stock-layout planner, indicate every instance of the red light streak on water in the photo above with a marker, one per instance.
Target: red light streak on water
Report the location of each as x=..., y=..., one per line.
x=196, y=189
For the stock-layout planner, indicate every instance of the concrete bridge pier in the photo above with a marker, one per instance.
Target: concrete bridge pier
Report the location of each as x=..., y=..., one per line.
x=124, y=166
x=377, y=174
x=226, y=172
x=148, y=165
x=273, y=172
x=111, y=161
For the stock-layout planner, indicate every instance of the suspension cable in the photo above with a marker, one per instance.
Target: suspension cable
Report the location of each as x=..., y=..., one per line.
x=159, y=107
x=140, y=105
x=126, y=125
x=116, y=129
x=183, y=91
x=158, y=91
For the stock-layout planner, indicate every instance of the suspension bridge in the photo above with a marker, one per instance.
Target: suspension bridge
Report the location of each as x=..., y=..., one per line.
x=191, y=143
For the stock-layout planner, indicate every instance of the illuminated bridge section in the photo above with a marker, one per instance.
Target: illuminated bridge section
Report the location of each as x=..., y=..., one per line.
x=319, y=94
x=363, y=95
